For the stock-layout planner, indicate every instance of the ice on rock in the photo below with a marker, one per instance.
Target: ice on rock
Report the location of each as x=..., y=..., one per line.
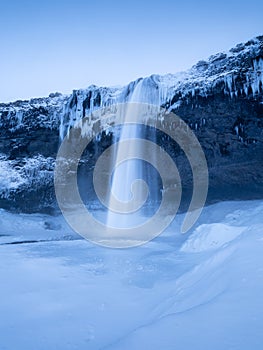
x=257, y=76
x=237, y=72
x=10, y=178
x=35, y=113
x=228, y=83
x=17, y=174
x=19, y=116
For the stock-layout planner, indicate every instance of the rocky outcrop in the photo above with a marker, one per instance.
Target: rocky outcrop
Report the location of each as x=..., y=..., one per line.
x=221, y=99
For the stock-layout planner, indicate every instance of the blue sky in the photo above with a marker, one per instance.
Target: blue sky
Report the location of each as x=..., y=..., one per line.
x=60, y=45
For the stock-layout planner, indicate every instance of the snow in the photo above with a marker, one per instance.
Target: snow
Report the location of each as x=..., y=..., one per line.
x=223, y=70
x=171, y=90
x=27, y=114
x=212, y=236
x=201, y=290
x=17, y=174
x=176, y=292
x=10, y=179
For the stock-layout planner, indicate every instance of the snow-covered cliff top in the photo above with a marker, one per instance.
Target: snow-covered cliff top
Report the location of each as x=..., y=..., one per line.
x=238, y=72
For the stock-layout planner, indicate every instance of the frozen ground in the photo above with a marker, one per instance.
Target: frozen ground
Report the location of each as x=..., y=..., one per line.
x=202, y=290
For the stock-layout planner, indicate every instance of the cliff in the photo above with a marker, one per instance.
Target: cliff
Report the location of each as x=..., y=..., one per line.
x=221, y=99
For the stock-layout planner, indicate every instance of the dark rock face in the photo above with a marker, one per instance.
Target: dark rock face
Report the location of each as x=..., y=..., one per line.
x=220, y=99
x=31, y=127
x=230, y=132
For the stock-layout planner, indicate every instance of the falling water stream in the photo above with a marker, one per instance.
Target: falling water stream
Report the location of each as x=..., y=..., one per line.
x=131, y=170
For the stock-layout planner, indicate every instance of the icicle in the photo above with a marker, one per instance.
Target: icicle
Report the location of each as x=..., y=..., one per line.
x=176, y=105
x=86, y=129
x=61, y=127
x=254, y=78
x=229, y=85
x=19, y=116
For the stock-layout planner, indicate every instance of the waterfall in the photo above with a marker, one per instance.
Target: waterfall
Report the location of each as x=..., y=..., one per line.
x=128, y=172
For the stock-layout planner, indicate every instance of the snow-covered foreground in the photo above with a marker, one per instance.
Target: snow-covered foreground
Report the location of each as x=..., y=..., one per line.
x=202, y=290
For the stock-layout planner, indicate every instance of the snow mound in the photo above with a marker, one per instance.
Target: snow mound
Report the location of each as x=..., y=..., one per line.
x=212, y=236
